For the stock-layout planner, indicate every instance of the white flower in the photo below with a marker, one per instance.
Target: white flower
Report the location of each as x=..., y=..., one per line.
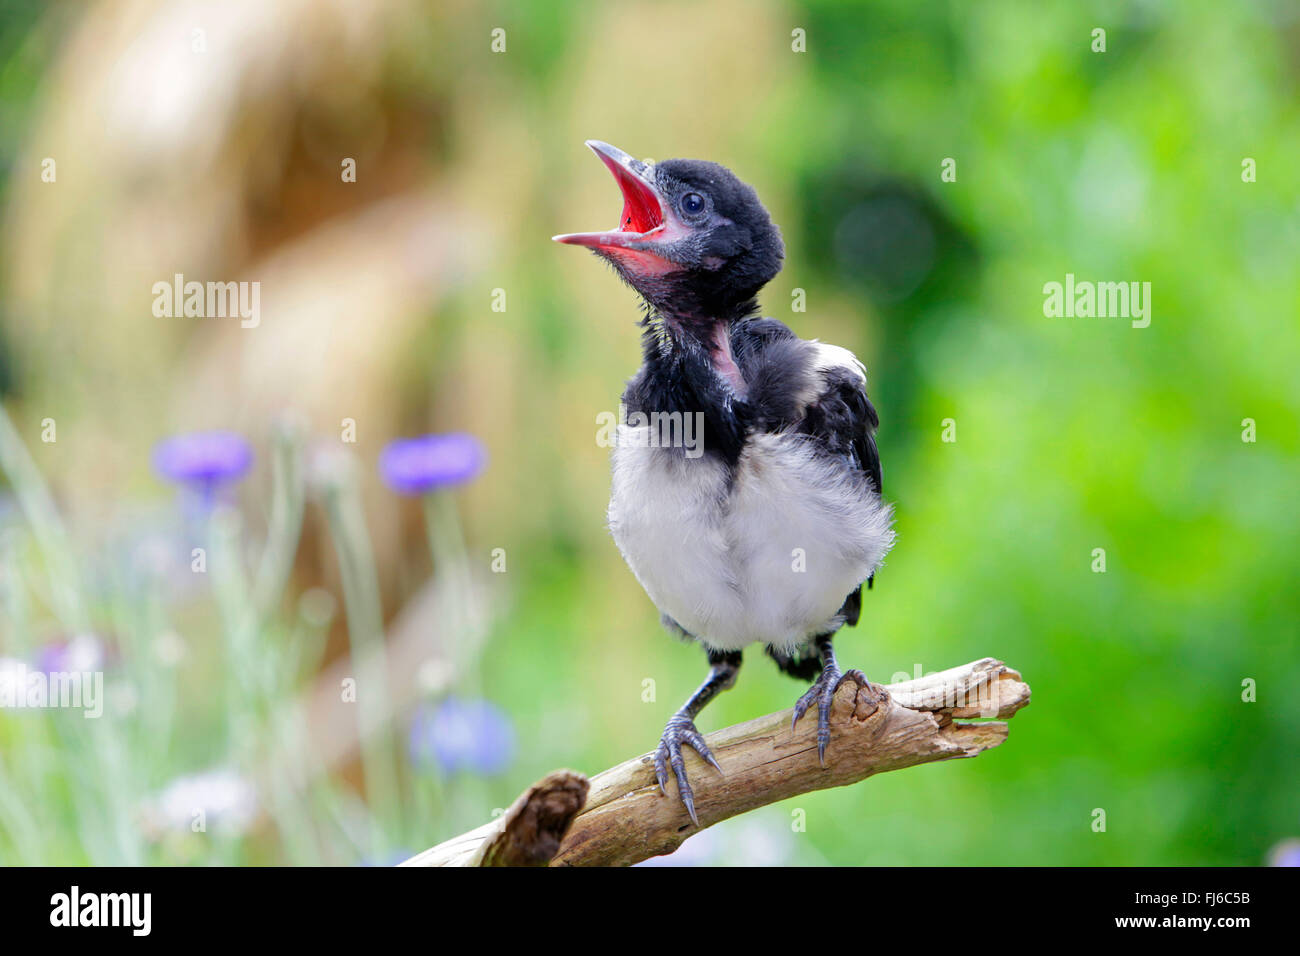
x=223, y=797
x=169, y=648
x=84, y=653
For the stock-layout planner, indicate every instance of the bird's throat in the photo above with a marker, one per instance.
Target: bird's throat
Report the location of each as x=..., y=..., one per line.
x=723, y=362
x=706, y=337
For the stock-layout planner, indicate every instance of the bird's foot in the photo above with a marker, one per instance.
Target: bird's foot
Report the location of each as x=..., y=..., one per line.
x=681, y=730
x=822, y=693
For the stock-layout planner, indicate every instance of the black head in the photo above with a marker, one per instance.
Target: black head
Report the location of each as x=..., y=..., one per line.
x=693, y=239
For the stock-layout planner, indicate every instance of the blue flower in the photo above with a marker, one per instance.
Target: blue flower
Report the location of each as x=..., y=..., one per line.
x=459, y=735
x=416, y=466
x=203, y=459
x=389, y=859
x=1286, y=853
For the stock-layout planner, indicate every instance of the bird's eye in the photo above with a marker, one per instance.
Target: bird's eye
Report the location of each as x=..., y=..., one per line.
x=692, y=204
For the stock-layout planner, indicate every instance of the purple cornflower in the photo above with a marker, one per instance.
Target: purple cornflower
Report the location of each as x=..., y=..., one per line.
x=417, y=466
x=473, y=735
x=203, y=461
x=82, y=653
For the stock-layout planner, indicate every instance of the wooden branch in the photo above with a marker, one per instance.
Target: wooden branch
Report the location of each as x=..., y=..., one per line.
x=623, y=819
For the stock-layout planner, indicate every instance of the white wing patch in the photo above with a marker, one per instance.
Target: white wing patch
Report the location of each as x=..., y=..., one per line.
x=833, y=356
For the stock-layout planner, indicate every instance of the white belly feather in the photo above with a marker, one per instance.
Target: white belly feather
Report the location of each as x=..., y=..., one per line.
x=770, y=559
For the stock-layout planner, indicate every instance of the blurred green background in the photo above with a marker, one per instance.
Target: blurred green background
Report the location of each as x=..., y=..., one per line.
x=217, y=154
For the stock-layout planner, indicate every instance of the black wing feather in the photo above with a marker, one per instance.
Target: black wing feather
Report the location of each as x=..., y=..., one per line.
x=776, y=366
x=845, y=419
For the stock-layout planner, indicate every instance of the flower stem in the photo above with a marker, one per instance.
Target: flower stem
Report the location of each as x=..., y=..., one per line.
x=285, y=525
x=451, y=572
x=366, y=637
x=38, y=505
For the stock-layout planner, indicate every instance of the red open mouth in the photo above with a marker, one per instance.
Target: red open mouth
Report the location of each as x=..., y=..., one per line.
x=641, y=210
x=643, y=214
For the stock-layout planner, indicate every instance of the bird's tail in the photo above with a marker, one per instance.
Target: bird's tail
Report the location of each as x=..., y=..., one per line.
x=803, y=663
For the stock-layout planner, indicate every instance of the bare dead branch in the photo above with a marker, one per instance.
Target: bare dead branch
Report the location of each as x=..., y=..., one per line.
x=624, y=819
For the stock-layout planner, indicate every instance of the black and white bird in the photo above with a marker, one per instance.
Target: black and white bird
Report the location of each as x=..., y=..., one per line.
x=766, y=533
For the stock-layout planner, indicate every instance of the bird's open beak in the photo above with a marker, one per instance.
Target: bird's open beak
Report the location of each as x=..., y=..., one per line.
x=643, y=219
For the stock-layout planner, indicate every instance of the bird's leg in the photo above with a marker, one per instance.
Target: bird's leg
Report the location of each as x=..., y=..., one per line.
x=723, y=668
x=822, y=693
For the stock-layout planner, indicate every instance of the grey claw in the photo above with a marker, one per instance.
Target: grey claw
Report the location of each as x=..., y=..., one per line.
x=661, y=772
x=854, y=675
x=688, y=798
x=823, y=692
x=824, y=724
x=801, y=705
x=679, y=731
x=696, y=740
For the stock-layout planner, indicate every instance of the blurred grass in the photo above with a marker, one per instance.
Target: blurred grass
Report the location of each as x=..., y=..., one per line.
x=1072, y=434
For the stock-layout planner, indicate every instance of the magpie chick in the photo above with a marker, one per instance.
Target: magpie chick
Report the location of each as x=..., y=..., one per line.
x=767, y=535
